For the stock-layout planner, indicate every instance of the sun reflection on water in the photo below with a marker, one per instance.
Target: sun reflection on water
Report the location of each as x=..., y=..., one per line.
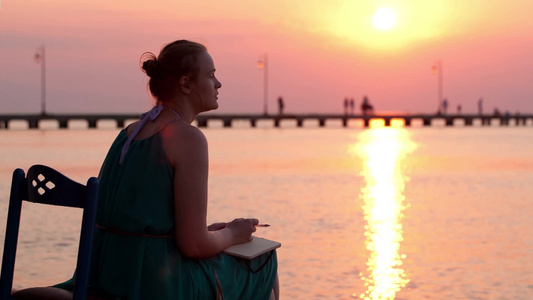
x=382, y=151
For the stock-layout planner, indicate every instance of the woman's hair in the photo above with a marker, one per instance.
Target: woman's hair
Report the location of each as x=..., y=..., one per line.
x=175, y=60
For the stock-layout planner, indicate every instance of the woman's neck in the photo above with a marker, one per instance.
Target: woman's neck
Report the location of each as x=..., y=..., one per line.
x=185, y=112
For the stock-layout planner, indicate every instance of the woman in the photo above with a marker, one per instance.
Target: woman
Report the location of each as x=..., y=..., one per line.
x=152, y=240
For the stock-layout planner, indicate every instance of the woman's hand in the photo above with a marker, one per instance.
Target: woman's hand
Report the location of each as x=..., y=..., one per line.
x=242, y=229
x=217, y=226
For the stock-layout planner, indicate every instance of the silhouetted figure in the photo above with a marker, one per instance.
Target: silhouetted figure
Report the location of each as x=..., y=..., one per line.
x=497, y=112
x=459, y=108
x=444, y=106
x=346, y=106
x=366, y=107
x=352, y=106
x=480, y=106
x=281, y=105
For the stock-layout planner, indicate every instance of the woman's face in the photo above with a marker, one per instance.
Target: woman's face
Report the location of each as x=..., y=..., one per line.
x=205, y=88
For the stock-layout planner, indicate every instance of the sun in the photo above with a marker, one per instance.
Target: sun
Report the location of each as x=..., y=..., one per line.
x=384, y=18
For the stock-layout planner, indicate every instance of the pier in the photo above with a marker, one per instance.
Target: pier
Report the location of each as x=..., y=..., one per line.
x=425, y=119
x=227, y=120
x=34, y=120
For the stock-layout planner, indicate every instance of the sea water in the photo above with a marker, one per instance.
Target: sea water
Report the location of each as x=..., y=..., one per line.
x=381, y=213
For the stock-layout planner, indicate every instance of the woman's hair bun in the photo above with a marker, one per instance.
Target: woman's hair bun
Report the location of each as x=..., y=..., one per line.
x=150, y=64
x=150, y=67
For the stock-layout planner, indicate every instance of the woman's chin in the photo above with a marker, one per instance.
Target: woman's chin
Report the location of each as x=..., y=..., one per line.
x=212, y=107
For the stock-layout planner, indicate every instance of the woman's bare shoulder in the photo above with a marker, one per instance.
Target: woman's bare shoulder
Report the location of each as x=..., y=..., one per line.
x=182, y=140
x=180, y=132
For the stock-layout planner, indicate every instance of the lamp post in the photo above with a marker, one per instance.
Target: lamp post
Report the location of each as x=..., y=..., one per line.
x=40, y=58
x=263, y=64
x=437, y=67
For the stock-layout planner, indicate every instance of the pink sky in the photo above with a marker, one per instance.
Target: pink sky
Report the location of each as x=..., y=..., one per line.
x=319, y=52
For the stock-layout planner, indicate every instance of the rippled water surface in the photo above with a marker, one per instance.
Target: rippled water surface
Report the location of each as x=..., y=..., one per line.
x=384, y=213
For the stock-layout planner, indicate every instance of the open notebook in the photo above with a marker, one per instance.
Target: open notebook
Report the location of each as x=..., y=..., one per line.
x=255, y=247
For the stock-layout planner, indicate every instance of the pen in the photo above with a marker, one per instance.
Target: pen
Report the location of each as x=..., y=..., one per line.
x=262, y=225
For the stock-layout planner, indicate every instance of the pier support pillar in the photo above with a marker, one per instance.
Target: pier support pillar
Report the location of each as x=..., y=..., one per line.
x=299, y=122
x=469, y=122
x=227, y=123
x=449, y=122
x=276, y=122
x=202, y=123
x=92, y=123
x=344, y=122
x=427, y=121
x=407, y=122
x=253, y=123
x=33, y=124
x=504, y=121
x=367, y=122
x=120, y=123
x=63, y=123
x=387, y=122
x=321, y=122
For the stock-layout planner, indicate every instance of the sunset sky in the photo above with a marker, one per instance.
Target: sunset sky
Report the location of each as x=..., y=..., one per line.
x=319, y=52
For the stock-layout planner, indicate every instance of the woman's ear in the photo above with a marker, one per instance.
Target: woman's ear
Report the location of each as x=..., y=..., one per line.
x=185, y=84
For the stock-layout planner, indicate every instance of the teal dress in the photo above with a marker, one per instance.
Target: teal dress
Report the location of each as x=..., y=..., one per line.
x=134, y=254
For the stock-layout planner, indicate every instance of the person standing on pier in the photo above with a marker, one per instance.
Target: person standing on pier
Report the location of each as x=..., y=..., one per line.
x=366, y=107
x=281, y=105
x=444, y=106
x=346, y=101
x=352, y=106
x=480, y=106
x=151, y=239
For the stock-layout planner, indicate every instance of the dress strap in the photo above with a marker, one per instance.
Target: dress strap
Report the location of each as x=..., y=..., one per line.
x=152, y=115
x=177, y=113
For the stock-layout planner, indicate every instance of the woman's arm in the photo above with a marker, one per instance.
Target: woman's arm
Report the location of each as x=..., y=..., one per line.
x=217, y=226
x=186, y=148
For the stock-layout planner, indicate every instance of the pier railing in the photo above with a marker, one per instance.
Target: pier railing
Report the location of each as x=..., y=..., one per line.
x=203, y=120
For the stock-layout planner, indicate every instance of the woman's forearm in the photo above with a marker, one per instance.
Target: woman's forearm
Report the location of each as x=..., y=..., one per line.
x=207, y=244
x=217, y=226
